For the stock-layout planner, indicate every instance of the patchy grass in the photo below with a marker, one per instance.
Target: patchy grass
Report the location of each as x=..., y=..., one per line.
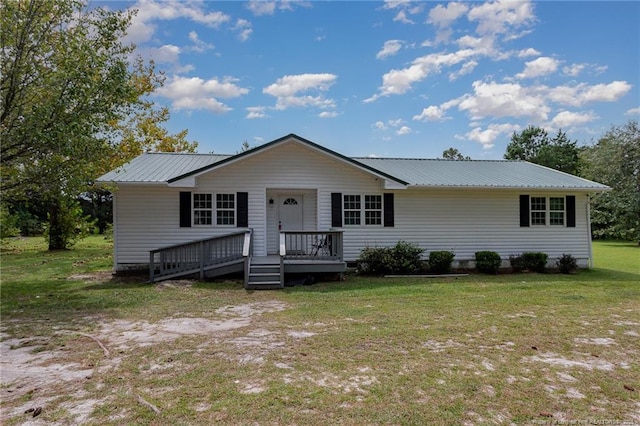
x=523, y=349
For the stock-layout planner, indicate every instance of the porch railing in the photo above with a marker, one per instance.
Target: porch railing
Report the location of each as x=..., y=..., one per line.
x=312, y=245
x=196, y=257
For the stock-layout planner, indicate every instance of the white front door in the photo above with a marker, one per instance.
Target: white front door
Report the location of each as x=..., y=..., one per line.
x=290, y=215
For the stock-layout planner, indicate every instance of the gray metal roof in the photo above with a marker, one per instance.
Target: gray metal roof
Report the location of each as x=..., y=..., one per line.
x=165, y=167
x=479, y=174
x=159, y=167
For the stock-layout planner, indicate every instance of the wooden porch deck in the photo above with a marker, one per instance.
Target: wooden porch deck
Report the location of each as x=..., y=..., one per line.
x=300, y=252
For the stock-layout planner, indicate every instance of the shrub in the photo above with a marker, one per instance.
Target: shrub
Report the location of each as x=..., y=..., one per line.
x=372, y=261
x=440, y=261
x=567, y=264
x=488, y=262
x=403, y=258
x=535, y=261
x=531, y=261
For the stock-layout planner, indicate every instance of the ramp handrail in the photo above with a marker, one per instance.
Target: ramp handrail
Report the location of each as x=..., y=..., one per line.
x=197, y=256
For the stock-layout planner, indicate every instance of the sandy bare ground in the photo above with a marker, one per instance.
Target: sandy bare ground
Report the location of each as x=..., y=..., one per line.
x=33, y=376
x=37, y=375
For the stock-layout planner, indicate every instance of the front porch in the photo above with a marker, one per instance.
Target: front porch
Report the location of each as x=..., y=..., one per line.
x=299, y=252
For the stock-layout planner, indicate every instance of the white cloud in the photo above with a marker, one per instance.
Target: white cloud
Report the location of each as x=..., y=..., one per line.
x=525, y=53
x=195, y=93
x=328, y=114
x=442, y=16
x=466, y=68
x=264, y=7
x=404, y=130
x=390, y=48
x=504, y=100
x=500, y=17
x=397, y=82
x=198, y=44
x=539, y=67
x=405, y=8
x=165, y=54
x=256, y=112
x=143, y=24
x=244, y=29
x=583, y=93
x=633, y=111
x=287, y=90
x=261, y=7
x=488, y=136
x=379, y=125
x=402, y=17
x=291, y=84
x=431, y=113
x=567, y=118
x=397, y=124
x=573, y=70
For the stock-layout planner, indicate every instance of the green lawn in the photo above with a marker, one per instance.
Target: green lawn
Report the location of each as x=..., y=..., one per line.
x=506, y=349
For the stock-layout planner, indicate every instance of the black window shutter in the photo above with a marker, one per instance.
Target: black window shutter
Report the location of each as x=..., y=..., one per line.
x=242, y=212
x=336, y=209
x=185, y=209
x=524, y=210
x=388, y=213
x=571, y=211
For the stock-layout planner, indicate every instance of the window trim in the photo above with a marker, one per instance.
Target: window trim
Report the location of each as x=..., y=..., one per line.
x=547, y=211
x=380, y=211
x=346, y=203
x=214, y=209
x=195, y=208
x=233, y=210
x=362, y=210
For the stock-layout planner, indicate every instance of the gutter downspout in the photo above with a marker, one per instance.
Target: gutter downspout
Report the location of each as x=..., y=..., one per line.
x=589, y=231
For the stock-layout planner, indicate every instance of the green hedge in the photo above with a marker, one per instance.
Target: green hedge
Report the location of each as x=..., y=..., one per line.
x=403, y=258
x=488, y=262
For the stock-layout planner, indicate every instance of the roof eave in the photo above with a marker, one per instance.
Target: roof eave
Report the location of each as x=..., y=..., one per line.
x=515, y=188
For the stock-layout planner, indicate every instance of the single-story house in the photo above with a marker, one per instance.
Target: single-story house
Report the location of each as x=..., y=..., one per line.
x=296, y=205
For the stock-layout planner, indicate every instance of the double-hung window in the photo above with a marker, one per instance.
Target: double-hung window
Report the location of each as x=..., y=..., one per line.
x=357, y=212
x=226, y=209
x=547, y=211
x=373, y=209
x=202, y=209
x=556, y=211
x=352, y=210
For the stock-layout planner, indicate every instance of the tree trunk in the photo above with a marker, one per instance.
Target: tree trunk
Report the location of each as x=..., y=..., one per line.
x=57, y=240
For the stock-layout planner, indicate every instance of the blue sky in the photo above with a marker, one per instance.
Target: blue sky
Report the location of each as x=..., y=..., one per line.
x=391, y=79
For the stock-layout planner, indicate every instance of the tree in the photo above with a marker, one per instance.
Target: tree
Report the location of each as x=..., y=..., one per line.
x=534, y=145
x=453, y=154
x=615, y=161
x=65, y=86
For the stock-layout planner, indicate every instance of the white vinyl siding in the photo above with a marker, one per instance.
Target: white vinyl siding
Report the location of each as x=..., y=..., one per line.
x=468, y=221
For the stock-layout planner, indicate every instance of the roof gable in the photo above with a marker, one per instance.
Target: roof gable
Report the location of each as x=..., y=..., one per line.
x=390, y=180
